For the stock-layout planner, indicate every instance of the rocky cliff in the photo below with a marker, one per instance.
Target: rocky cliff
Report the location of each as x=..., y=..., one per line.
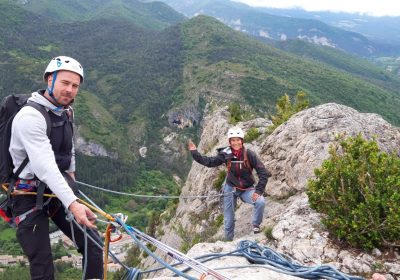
x=90, y=148
x=291, y=153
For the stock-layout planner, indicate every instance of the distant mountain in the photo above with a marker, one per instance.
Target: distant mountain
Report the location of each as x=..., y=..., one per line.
x=385, y=30
x=154, y=15
x=341, y=60
x=260, y=23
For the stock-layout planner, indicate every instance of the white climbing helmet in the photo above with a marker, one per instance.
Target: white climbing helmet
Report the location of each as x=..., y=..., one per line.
x=235, y=132
x=63, y=63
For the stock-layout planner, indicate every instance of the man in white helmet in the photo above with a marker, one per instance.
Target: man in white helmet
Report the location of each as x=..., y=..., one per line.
x=239, y=182
x=47, y=161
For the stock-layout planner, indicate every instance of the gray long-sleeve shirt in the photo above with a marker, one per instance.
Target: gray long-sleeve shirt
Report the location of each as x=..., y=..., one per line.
x=29, y=138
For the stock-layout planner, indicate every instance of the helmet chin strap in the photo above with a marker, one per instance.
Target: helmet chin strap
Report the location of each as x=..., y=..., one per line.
x=50, y=91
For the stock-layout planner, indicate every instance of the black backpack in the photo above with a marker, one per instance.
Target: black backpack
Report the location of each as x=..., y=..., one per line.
x=9, y=107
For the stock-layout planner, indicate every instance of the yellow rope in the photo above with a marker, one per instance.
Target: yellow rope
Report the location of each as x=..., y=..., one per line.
x=91, y=207
x=101, y=212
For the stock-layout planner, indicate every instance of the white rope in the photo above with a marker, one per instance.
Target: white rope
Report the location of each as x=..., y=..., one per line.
x=153, y=196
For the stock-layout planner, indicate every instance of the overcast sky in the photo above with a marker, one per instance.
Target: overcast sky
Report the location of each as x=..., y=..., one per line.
x=370, y=7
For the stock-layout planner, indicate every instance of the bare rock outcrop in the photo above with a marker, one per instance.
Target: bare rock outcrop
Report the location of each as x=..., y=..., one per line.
x=298, y=146
x=92, y=149
x=291, y=153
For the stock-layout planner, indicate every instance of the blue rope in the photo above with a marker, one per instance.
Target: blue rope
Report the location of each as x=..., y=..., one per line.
x=133, y=274
x=257, y=254
x=130, y=231
x=203, y=259
x=85, y=237
x=262, y=256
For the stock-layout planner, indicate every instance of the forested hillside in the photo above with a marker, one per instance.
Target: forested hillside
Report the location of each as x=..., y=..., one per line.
x=138, y=79
x=154, y=15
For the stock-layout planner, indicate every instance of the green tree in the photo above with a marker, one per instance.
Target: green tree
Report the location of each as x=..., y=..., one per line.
x=252, y=134
x=133, y=258
x=358, y=190
x=236, y=113
x=285, y=108
x=59, y=250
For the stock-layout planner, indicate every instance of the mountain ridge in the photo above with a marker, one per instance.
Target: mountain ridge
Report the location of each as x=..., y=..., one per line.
x=266, y=26
x=382, y=29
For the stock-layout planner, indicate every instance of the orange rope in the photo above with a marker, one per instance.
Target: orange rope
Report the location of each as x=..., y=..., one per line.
x=106, y=248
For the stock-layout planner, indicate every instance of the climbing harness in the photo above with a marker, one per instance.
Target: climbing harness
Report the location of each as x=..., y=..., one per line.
x=246, y=162
x=5, y=211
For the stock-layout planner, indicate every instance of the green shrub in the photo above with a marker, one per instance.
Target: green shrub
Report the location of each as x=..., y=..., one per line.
x=236, y=113
x=252, y=134
x=217, y=184
x=219, y=221
x=268, y=233
x=358, y=190
x=285, y=109
x=189, y=239
x=210, y=146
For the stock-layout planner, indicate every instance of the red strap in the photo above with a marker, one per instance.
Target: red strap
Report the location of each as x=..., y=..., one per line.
x=23, y=216
x=245, y=189
x=4, y=216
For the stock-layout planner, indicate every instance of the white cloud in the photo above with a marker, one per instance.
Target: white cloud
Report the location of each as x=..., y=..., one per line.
x=370, y=7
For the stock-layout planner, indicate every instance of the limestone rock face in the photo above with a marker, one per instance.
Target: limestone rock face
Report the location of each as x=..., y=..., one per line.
x=291, y=153
x=297, y=147
x=92, y=149
x=173, y=149
x=184, y=117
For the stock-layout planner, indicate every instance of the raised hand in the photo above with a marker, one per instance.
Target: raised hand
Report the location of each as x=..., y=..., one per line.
x=191, y=145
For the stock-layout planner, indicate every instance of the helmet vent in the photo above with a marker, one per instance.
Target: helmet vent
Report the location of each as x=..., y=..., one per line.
x=63, y=63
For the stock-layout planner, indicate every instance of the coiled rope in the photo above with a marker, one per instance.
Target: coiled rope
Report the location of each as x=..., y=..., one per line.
x=264, y=257
x=257, y=254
